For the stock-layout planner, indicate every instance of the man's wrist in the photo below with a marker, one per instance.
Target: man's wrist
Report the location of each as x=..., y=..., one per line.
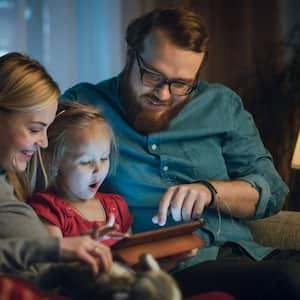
x=213, y=191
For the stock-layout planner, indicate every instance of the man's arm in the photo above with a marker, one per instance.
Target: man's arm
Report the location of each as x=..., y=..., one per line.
x=237, y=198
x=254, y=188
x=184, y=202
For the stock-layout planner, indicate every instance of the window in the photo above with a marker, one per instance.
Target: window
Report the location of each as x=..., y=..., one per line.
x=76, y=40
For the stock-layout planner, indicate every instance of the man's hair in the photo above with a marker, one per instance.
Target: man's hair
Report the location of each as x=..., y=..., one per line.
x=184, y=28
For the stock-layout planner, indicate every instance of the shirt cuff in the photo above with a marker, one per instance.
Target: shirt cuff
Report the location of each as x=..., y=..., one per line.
x=263, y=188
x=43, y=250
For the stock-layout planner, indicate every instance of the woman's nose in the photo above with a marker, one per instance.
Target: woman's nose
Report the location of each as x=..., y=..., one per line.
x=43, y=140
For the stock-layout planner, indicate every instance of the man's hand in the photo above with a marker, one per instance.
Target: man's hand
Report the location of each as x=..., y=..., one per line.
x=183, y=202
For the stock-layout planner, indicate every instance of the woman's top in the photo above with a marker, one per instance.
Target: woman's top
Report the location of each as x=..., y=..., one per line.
x=23, y=239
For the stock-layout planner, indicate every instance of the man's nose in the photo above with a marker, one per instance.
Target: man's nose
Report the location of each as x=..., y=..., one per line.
x=162, y=92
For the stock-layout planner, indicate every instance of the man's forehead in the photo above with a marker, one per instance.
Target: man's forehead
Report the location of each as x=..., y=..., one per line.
x=164, y=56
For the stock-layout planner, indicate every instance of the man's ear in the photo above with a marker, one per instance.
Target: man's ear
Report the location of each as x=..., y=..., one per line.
x=130, y=53
x=130, y=57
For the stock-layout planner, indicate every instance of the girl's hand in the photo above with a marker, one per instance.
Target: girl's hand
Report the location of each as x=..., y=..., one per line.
x=83, y=248
x=108, y=231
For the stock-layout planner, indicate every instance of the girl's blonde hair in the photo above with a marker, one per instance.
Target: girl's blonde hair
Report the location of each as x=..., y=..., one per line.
x=71, y=117
x=25, y=86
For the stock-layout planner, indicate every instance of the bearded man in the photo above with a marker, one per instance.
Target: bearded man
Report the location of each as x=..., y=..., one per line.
x=189, y=149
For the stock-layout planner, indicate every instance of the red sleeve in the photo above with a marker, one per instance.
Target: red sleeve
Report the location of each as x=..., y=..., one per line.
x=49, y=208
x=125, y=217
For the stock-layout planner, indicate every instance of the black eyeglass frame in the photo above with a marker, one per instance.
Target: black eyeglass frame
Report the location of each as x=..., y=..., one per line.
x=164, y=80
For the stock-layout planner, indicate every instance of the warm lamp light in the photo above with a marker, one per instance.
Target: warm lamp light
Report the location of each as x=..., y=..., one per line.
x=296, y=155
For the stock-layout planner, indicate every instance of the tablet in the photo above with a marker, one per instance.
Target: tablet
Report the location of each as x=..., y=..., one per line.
x=160, y=243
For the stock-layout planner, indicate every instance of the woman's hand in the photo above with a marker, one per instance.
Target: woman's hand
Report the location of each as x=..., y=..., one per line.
x=83, y=248
x=183, y=202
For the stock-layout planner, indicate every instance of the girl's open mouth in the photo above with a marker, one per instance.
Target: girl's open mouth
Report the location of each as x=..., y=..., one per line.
x=93, y=185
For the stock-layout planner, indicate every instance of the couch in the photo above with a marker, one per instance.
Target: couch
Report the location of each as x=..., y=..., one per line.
x=279, y=231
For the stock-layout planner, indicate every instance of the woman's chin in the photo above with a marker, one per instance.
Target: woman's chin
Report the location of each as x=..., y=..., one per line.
x=18, y=166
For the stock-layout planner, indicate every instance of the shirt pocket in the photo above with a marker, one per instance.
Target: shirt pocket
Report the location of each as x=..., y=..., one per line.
x=203, y=159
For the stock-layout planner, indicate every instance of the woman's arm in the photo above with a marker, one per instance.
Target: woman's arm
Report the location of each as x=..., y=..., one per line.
x=18, y=254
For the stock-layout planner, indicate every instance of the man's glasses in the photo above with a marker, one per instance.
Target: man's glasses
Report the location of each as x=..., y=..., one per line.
x=153, y=79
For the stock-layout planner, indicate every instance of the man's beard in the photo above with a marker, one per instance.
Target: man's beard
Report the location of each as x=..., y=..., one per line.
x=141, y=119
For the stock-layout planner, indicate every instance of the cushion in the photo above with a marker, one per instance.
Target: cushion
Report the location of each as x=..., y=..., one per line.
x=212, y=296
x=12, y=288
x=279, y=231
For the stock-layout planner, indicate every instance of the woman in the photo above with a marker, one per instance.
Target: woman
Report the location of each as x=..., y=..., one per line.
x=28, y=103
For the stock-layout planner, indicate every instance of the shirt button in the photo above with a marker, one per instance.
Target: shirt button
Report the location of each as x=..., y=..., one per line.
x=154, y=147
x=165, y=168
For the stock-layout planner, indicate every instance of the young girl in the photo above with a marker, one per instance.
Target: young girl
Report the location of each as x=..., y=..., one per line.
x=75, y=164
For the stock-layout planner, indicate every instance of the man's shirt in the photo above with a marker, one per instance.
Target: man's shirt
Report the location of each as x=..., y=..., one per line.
x=212, y=138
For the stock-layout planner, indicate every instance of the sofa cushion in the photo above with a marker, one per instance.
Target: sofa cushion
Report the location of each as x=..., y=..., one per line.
x=12, y=288
x=280, y=231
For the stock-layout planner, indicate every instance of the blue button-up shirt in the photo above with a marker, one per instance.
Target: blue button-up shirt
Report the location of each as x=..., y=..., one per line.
x=212, y=138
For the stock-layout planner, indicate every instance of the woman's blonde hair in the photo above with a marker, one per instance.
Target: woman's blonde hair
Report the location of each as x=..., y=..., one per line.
x=25, y=86
x=71, y=117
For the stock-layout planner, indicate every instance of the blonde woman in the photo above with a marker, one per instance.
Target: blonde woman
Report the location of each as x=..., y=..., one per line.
x=28, y=104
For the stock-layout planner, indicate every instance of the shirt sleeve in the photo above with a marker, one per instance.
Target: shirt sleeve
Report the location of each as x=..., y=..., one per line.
x=49, y=209
x=247, y=159
x=19, y=254
x=124, y=213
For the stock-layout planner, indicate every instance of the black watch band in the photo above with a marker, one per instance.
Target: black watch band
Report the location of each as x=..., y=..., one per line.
x=212, y=189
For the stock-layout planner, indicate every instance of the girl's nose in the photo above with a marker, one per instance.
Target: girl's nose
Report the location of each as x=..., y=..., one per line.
x=97, y=166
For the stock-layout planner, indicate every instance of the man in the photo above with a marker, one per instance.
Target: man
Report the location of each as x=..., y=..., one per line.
x=189, y=149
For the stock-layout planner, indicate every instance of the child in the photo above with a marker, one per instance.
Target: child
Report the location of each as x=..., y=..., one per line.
x=75, y=164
